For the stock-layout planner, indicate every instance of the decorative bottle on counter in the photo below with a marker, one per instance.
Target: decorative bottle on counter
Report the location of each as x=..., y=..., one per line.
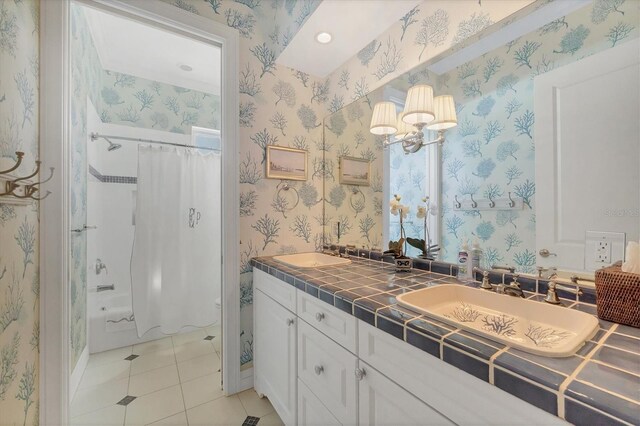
x=475, y=255
x=463, y=259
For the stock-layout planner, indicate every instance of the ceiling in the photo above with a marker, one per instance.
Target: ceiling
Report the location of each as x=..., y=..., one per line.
x=144, y=51
x=353, y=24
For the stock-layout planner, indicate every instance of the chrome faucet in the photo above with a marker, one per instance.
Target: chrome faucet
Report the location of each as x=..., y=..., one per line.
x=100, y=266
x=552, y=296
x=349, y=250
x=512, y=289
x=550, y=272
x=486, y=284
x=504, y=268
x=105, y=287
x=331, y=252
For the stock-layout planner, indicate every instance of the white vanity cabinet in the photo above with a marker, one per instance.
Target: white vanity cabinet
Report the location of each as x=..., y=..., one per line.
x=321, y=366
x=275, y=372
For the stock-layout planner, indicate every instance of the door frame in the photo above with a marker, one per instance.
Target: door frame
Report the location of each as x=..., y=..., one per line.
x=55, y=85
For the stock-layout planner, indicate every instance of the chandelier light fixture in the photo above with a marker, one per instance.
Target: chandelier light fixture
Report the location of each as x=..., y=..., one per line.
x=421, y=110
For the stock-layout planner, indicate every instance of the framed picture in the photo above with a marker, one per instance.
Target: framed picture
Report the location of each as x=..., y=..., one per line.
x=286, y=163
x=355, y=171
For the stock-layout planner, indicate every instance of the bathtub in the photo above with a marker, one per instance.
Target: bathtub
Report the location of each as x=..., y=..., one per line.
x=104, y=336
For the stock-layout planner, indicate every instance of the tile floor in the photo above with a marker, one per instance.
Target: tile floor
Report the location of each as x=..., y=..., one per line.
x=172, y=381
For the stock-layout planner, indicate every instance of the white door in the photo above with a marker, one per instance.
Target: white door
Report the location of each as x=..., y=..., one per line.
x=275, y=355
x=382, y=402
x=587, y=155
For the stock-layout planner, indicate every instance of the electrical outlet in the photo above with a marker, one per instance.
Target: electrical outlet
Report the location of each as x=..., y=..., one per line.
x=603, y=248
x=603, y=252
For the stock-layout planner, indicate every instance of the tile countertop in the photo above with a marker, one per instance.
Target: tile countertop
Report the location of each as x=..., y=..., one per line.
x=600, y=384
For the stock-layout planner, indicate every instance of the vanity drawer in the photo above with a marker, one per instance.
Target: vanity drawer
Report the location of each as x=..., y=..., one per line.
x=276, y=289
x=328, y=370
x=337, y=325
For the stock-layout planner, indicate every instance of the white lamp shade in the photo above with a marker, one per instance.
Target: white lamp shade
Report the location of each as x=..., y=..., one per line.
x=418, y=108
x=404, y=129
x=383, y=120
x=445, y=110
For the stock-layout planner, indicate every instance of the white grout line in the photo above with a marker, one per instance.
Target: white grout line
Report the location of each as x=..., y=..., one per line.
x=614, y=367
x=492, y=359
x=563, y=386
x=442, y=342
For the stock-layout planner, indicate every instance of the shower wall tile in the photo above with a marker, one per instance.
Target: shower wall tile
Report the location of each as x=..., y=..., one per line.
x=112, y=179
x=19, y=225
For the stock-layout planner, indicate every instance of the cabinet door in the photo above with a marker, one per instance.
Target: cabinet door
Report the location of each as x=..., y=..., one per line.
x=328, y=370
x=275, y=355
x=311, y=412
x=382, y=402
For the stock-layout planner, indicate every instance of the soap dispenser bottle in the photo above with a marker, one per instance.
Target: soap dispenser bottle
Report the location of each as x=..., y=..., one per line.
x=463, y=261
x=474, y=258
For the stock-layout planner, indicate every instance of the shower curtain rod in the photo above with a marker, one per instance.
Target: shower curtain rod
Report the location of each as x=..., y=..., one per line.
x=96, y=136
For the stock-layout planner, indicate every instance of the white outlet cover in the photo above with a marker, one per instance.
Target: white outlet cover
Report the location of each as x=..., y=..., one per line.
x=603, y=249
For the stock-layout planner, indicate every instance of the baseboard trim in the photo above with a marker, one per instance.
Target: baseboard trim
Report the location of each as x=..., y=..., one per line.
x=78, y=371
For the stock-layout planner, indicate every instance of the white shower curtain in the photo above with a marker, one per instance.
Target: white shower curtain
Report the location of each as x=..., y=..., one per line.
x=176, y=266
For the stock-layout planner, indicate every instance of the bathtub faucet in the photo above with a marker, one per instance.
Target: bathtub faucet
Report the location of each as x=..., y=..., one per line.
x=105, y=287
x=100, y=266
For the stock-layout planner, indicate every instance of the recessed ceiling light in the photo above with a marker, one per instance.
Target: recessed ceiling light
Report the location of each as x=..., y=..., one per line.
x=323, y=37
x=185, y=67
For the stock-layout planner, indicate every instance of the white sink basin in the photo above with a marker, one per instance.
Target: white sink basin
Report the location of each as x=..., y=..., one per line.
x=530, y=326
x=311, y=260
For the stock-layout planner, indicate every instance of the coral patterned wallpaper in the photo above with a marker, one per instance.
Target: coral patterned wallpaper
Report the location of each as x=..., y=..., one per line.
x=490, y=150
x=19, y=225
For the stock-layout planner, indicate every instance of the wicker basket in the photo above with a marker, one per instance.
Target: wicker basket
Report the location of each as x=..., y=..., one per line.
x=618, y=295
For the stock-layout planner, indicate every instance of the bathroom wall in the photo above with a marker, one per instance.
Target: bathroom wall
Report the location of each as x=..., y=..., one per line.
x=429, y=29
x=357, y=209
x=19, y=227
x=276, y=108
x=493, y=148
x=137, y=102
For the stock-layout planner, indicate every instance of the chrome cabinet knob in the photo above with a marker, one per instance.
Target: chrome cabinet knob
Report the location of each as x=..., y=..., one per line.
x=319, y=316
x=546, y=253
x=360, y=373
x=318, y=369
x=290, y=321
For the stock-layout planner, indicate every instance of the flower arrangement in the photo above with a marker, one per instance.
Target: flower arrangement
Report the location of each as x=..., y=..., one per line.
x=429, y=251
x=397, y=209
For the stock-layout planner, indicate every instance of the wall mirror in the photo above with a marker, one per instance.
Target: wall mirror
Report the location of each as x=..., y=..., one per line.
x=521, y=173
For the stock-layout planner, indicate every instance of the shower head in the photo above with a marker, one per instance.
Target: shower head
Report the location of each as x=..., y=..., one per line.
x=112, y=146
